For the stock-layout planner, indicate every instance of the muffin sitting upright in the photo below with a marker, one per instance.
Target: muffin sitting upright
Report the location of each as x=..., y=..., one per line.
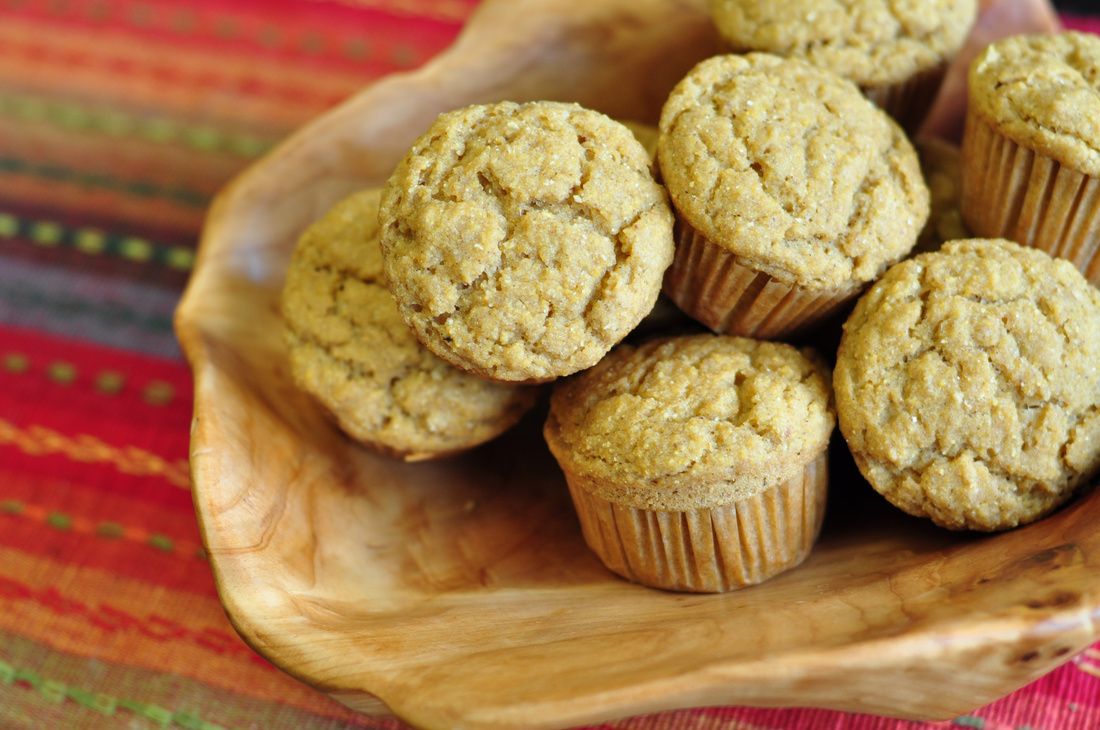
x=697, y=463
x=523, y=241
x=350, y=349
x=896, y=51
x=792, y=193
x=968, y=384
x=1031, y=150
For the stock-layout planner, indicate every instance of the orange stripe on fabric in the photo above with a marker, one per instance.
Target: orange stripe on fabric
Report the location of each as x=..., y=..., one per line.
x=278, y=31
x=128, y=159
x=95, y=613
x=128, y=55
x=36, y=440
x=77, y=199
x=269, y=117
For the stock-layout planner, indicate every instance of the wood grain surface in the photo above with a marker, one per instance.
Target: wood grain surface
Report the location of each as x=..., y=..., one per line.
x=460, y=593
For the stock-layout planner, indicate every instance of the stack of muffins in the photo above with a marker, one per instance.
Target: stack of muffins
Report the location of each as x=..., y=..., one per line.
x=518, y=244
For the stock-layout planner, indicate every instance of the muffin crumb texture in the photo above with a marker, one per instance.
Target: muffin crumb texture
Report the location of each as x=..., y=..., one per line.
x=968, y=384
x=872, y=42
x=692, y=422
x=523, y=241
x=792, y=170
x=351, y=350
x=1043, y=92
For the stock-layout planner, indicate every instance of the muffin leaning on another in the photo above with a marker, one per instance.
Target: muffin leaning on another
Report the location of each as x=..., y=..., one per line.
x=1031, y=148
x=792, y=192
x=350, y=349
x=897, y=51
x=697, y=463
x=523, y=241
x=968, y=385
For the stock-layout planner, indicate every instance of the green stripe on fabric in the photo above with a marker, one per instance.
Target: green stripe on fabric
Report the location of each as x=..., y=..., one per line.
x=160, y=130
x=233, y=703
x=57, y=692
x=136, y=188
x=94, y=242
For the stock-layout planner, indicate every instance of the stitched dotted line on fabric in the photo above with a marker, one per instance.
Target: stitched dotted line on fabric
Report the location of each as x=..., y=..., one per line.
x=113, y=123
x=40, y=441
x=92, y=241
x=107, y=382
x=57, y=692
x=137, y=188
x=106, y=530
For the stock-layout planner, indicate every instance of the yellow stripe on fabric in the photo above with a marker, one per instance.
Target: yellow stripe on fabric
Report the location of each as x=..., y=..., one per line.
x=58, y=692
x=94, y=242
x=37, y=440
x=74, y=116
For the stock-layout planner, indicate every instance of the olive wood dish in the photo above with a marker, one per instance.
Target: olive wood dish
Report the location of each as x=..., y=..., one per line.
x=459, y=593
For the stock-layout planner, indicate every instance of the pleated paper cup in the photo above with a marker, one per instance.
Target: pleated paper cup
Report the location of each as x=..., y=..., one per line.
x=909, y=101
x=707, y=550
x=715, y=288
x=1011, y=191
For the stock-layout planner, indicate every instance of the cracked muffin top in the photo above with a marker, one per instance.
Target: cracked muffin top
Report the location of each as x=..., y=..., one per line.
x=968, y=384
x=1043, y=92
x=791, y=169
x=523, y=241
x=871, y=42
x=692, y=422
x=350, y=349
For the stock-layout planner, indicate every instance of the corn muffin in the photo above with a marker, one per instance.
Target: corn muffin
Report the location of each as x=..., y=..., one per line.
x=350, y=349
x=1031, y=148
x=897, y=51
x=792, y=193
x=968, y=384
x=523, y=241
x=697, y=463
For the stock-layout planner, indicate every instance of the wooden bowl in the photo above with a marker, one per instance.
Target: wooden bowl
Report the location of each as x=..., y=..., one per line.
x=460, y=593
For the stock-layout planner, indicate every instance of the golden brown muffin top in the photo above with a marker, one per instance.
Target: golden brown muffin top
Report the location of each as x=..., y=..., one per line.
x=1043, y=92
x=692, y=422
x=871, y=42
x=522, y=241
x=968, y=384
x=351, y=350
x=792, y=170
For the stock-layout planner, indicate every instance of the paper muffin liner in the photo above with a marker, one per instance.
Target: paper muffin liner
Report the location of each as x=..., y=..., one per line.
x=707, y=550
x=910, y=100
x=1010, y=191
x=714, y=288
